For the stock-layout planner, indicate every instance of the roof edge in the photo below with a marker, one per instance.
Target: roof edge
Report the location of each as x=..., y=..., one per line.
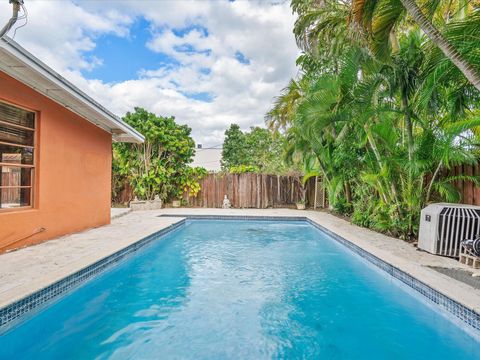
x=34, y=63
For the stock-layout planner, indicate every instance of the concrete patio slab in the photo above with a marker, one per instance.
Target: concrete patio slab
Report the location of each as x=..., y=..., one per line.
x=115, y=213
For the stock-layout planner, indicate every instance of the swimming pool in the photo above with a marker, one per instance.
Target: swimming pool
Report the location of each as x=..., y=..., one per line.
x=240, y=289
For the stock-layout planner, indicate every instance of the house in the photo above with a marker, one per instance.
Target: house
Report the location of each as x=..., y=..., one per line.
x=55, y=152
x=208, y=158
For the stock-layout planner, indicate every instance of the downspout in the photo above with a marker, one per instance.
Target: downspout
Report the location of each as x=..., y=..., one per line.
x=16, y=9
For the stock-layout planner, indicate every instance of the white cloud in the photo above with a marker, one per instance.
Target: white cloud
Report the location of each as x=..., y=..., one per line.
x=60, y=33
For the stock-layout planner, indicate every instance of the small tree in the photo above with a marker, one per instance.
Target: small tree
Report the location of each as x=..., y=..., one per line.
x=234, y=150
x=258, y=150
x=158, y=166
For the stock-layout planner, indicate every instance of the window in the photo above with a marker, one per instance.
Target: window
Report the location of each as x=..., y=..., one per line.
x=17, y=166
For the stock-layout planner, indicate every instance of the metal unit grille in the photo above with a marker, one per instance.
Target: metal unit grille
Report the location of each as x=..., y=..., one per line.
x=456, y=224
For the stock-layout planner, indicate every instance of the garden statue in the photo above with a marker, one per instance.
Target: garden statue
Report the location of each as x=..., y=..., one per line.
x=226, y=203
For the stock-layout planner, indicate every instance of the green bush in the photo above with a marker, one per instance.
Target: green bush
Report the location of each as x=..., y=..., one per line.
x=159, y=166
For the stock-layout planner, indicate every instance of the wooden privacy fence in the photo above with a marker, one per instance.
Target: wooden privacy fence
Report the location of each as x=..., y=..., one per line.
x=263, y=191
x=250, y=191
x=243, y=190
x=470, y=193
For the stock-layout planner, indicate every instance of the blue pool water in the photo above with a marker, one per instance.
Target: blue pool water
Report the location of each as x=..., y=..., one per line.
x=240, y=290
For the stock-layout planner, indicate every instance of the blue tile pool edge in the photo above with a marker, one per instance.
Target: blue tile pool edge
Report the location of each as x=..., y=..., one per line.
x=20, y=310
x=466, y=316
x=238, y=217
x=17, y=312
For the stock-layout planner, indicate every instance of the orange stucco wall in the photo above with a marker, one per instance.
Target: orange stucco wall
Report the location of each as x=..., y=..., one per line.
x=73, y=173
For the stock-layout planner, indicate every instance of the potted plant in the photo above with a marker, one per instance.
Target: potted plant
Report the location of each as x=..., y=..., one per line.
x=300, y=205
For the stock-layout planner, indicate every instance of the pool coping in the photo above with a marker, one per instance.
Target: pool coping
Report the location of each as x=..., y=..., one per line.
x=21, y=309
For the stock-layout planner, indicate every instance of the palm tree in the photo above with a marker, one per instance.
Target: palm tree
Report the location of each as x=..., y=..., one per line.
x=383, y=117
x=438, y=39
x=281, y=115
x=321, y=29
x=364, y=12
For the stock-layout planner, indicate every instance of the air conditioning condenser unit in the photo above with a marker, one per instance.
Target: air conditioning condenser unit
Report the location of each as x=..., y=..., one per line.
x=443, y=226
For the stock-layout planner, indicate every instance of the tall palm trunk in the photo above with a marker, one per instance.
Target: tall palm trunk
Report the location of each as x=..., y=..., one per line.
x=409, y=126
x=439, y=40
x=381, y=166
x=434, y=177
x=348, y=193
x=410, y=145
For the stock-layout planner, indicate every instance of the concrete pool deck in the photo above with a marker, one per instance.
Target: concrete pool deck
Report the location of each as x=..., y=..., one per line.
x=28, y=270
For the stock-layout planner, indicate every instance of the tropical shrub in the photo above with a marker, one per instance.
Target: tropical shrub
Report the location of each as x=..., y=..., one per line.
x=242, y=169
x=189, y=181
x=159, y=166
x=258, y=150
x=378, y=111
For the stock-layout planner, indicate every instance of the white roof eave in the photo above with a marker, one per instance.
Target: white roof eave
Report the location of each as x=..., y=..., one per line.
x=18, y=63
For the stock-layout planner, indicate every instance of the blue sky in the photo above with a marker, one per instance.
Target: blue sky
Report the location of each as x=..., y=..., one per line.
x=208, y=63
x=115, y=52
